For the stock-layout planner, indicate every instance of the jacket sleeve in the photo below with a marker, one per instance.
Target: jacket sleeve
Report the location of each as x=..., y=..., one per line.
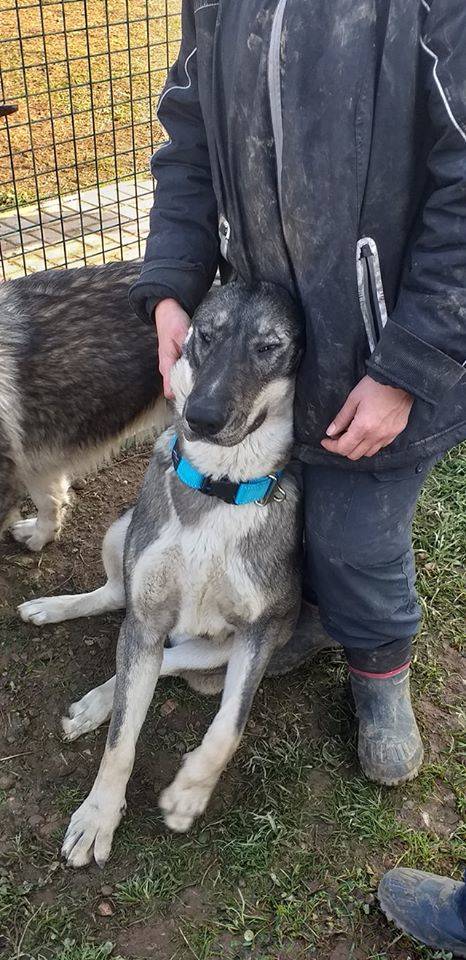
x=423, y=345
x=182, y=252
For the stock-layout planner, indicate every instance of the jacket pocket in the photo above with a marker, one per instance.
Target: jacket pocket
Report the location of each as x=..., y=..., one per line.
x=411, y=471
x=370, y=290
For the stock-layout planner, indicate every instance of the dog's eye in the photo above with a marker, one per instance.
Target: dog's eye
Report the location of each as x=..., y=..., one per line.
x=205, y=337
x=267, y=347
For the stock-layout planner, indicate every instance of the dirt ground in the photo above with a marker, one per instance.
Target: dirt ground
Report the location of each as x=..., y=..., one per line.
x=286, y=861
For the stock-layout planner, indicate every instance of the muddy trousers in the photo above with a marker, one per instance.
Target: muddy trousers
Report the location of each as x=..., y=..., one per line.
x=360, y=562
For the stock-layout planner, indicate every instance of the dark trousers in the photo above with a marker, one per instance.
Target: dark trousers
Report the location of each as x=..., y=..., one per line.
x=360, y=562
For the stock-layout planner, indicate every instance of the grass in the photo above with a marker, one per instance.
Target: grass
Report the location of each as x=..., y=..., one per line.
x=86, y=76
x=440, y=543
x=34, y=926
x=285, y=864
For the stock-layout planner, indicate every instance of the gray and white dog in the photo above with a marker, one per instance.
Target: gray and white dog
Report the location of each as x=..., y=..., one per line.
x=78, y=374
x=220, y=581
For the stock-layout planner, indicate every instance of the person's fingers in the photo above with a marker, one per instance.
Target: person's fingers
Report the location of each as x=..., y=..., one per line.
x=165, y=366
x=169, y=353
x=350, y=439
x=167, y=390
x=384, y=442
x=362, y=450
x=343, y=417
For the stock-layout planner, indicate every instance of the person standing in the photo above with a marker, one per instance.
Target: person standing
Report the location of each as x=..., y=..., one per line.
x=323, y=147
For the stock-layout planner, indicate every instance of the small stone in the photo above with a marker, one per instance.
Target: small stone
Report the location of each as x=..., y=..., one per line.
x=15, y=729
x=48, y=828
x=168, y=707
x=14, y=806
x=36, y=820
x=7, y=781
x=65, y=767
x=79, y=484
x=106, y=890
x=105, y=909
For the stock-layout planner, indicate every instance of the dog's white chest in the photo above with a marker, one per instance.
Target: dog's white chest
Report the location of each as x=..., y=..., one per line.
x=201, y=570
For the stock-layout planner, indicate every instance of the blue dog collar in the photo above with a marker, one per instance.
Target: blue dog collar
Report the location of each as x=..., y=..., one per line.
x=260, y=491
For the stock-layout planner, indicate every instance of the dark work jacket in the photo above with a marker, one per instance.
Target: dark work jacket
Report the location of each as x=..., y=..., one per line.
x=322, y=146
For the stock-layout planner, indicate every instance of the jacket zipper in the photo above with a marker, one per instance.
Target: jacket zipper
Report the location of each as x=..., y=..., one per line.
x=370, y=290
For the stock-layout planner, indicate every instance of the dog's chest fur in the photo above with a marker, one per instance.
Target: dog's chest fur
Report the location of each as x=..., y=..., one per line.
x=195, y=564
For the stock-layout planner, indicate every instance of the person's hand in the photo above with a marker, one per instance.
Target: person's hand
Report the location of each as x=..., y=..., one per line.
x=373, y=415
x=172, y=324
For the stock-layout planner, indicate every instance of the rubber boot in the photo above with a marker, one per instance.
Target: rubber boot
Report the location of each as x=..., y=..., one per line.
x=309, y=637
x=389, y=744
x=429, y=908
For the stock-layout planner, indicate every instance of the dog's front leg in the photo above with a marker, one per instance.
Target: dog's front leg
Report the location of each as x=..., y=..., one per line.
x=90, y=833
x=189, y=794
x=50, y=495
x=96, y=706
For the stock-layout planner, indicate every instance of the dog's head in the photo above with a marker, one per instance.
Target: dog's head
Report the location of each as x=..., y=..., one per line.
x=239, y=363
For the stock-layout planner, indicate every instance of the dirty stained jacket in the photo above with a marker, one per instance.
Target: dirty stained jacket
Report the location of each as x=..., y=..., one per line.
x=322, y=146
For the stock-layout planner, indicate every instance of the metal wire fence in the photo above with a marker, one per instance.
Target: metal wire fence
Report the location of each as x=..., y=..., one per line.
x=79, y=83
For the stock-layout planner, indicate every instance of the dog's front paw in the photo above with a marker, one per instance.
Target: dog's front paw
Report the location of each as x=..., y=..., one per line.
x=183, y=801
x=42, y=610
x=91, y=830
x=88, y=713
x=29, y=533
x=22, y=530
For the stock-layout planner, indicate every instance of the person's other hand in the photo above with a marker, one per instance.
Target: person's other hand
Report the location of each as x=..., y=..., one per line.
x=373, y=415
x=172, y=323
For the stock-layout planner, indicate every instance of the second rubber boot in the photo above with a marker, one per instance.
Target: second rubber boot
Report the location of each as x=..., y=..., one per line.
x=389, y=743
x=308, y=639
x=429, y=908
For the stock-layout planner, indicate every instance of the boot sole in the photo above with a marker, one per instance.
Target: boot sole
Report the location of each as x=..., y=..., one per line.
x=399, y=781
x=459, y=951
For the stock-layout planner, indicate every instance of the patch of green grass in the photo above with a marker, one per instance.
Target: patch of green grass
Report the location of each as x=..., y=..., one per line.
x=71, y=950
x=440, y=542
x=31, y=928
x=68, y=798
x=159, y=878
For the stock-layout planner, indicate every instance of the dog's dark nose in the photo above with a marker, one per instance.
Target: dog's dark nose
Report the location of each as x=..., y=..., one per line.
x=205, y=419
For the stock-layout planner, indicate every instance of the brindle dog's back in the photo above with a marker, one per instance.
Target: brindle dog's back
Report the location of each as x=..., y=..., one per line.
x=79, y=372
